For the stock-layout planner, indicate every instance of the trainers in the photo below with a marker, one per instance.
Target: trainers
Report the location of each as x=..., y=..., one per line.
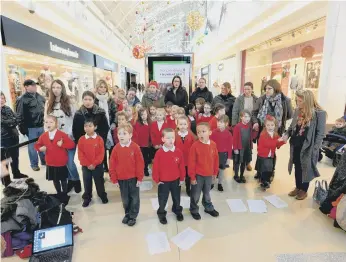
x=131, y=222
x=220, y=187
x=237, y=179
x=180, y=217
x=196, y=216
x=301, y=195
x=163, y=220
x=36, y=168
x=294, y=192
x=213, y=213
x=242, y=179
x=86, y=203
x=249, y=167
x=125, y=219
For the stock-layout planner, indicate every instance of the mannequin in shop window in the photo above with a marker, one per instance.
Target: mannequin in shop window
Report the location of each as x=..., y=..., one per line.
x=60, y=106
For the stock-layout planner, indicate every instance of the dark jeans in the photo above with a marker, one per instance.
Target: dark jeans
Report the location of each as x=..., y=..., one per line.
x=33, y=133
x=146, y=156
x=163, y=193
x=298, y=172
x=130, y=197
x=60, y=186
x=187, y=182
x=88, y=176
x=203, y=186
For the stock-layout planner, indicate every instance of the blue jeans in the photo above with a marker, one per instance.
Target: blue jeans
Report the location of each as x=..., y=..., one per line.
x=71, y=166
x=33, y=133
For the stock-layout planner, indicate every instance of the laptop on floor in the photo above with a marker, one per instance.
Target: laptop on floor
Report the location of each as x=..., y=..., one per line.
x=54, y=244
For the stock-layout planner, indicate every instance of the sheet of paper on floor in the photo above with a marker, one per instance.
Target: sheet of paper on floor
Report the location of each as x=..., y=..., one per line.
x=146, y=186
x=187, y=238
x=236, y=205
x=157, y=243
x=185, y=201
x=155, y=203
x=257, y=206
x=276, y=201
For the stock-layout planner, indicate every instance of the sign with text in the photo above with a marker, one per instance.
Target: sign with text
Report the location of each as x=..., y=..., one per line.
x=106, y=64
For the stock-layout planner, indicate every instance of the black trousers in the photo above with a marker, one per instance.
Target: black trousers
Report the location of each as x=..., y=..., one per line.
x=163, y=193
x=265, y=176
x=187, y=181
x=147, y=158
x=60, y=186
x=298, y=173
x=238, y=166
x=130, y=197
x=97, y=175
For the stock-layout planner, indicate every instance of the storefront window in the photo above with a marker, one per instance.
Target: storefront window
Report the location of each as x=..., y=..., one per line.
x=104, y=75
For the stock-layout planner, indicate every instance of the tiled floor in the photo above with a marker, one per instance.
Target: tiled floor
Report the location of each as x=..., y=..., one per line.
x=300, y=228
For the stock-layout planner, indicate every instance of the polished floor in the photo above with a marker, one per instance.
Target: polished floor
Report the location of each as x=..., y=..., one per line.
x=300, y=228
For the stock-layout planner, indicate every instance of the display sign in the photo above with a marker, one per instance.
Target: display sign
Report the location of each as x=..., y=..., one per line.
x=163, y=72
x=105, y=64
x=19, y=36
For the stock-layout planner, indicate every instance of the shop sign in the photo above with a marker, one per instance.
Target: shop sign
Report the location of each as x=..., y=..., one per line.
x=28, y=39
x=106, y=64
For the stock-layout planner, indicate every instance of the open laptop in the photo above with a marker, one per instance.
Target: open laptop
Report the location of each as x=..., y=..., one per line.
x=54, y=244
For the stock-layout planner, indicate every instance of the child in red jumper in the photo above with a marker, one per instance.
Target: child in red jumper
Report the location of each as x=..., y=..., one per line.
x=121, y=118
x=55, y=143
x=243, y=134
x=219, y=110
x=190, y=111
x=224, y=142
x=91, y=153
x=269, y=141
x=156, y=129
x=170, y=120
x=206, y=116
x=126, y=171
x=184, y=139
x=169, y=174
x=143, y=137
x=203, y=167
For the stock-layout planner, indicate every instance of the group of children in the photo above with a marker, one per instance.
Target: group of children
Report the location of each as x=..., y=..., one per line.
x=184, y=145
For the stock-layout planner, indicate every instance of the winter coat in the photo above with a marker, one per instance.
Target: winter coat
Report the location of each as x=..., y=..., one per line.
x=112, y=109
x=148, y=102
x=338, y=183
x=8, y=123
x=30, y=111
x=204, y=93
x=238, y=107
x=227, y=101
x=179, y=98
x=100, y=119
x=312, y=143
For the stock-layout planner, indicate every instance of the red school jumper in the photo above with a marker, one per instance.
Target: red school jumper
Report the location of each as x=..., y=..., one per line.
x=156, y=134
x=201, y=118
x=268, y=144
x=91, y=151
x=185, y=145
x=168, y=166
x=55, y=155
x=223, y=140
x=171, y=122
x=203, y=160
x=142, y=137
x=213, y=123
x=126, y=162
x=237, y=144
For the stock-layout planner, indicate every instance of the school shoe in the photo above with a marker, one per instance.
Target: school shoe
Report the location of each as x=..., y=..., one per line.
x=36, y=168
x=180, y=217
x=249, y=167
x=163, y=220
x=294, y=192
x=125, y=219
x=213, y=213
x=237, y=179
x=86, y=203
x=220, y=187
x=131, y=222
x=196, y=216
x=265, y=185
x=301, y=195
x=104, y=200
x=242, y=179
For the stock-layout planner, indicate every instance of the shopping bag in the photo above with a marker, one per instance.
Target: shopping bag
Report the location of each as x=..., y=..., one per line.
x=321, y=191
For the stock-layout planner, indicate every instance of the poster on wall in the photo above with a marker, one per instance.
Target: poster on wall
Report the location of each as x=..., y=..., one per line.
x=312, y=74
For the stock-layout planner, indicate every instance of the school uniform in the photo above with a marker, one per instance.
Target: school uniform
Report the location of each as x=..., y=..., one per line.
x=171, y=122
x=126, y=168
x=206, y=119
x=203, y=164
x=192, y=124
x=56, y=157
x=213, y=123
x=169, y=169
x=91, y=152
x=156, y=129
x=142, y=139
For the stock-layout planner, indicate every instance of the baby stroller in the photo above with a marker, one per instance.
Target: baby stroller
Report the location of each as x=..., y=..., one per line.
x=333, y=148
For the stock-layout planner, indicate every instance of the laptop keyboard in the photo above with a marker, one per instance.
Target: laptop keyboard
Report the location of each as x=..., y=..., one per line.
x=55, y=256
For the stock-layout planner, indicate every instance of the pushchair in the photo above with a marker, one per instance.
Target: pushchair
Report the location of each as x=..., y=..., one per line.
x=333, y=148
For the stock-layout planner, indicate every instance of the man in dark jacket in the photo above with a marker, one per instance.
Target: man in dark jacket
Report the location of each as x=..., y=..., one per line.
x=177, y=93
x=131, y=97
x=30, y=112
x=201, y=91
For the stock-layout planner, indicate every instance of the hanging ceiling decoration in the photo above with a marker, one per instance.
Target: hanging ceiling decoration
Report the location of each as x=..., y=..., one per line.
x=139, y=51
x=195, y=20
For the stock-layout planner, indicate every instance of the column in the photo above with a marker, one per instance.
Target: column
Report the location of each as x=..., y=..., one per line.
x=332, y=90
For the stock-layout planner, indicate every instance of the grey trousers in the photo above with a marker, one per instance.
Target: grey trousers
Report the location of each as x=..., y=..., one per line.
x=130, y=197
x=203, y=186
x=163, y=193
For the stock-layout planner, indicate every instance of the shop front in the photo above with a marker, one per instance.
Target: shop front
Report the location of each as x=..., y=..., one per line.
x=293, y=58
x=106, y=70
x=131, y=78
x=30, y=54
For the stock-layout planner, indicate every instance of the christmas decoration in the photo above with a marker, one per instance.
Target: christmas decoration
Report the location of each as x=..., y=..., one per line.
x=195, y=20
x=187, y=34
x=139, y=50
x=308, y=51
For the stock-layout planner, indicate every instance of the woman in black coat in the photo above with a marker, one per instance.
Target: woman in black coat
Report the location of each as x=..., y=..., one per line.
x=201, y=91
x=226, y=98
x=177, y=93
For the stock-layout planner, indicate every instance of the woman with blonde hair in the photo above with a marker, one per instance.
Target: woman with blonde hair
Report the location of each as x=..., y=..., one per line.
x=307, y=131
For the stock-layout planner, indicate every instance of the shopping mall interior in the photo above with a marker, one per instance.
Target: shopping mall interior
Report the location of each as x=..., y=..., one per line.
x=212, y=46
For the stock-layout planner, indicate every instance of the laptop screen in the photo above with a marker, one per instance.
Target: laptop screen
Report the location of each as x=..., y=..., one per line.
x=52, y=238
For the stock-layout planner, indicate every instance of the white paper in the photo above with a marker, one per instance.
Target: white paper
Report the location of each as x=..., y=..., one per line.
x=257, y=206
x=187, y=238
x=236, y=205
x=185, y=201
x=146, y=186
x=276, y=201
x=157, y=243
x=155, y=203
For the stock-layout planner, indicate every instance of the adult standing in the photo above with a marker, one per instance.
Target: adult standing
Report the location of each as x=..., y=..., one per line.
x=60, y=106
x=30, y=112
x=226, y=98
x=131, y=97
x=201, y=91
x=306, y=131
x=9, y=138
x=177, y=93
x=153, y=96
x=104, y=101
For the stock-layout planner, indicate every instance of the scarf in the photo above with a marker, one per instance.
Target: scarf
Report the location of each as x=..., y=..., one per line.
x=278, y=110
x=154, y=96
x=103, y=103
